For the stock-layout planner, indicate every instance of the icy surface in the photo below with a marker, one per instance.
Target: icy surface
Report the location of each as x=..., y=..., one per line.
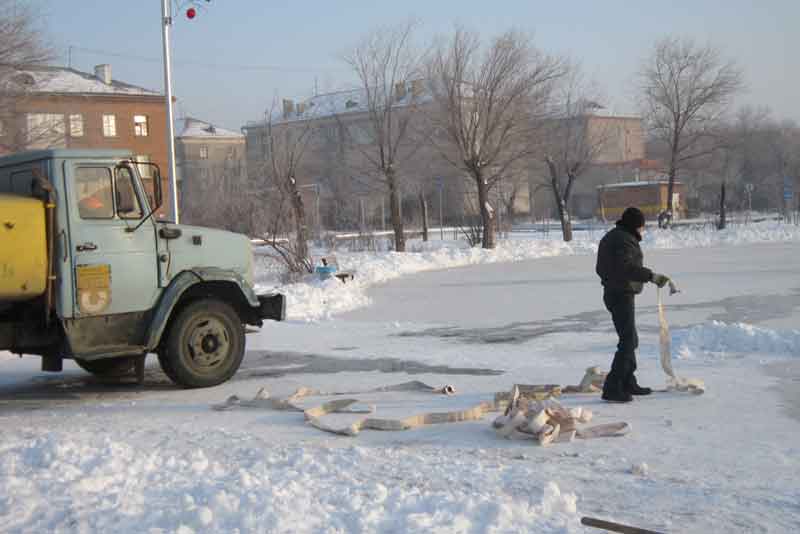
x=77, y=455
x=314, y=299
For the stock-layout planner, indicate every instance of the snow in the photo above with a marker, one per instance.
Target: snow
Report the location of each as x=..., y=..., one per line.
x=190, y=127
x=643, y=183
x=113, y=485
x=77, y=455
x=718, y=339
x=63, y=80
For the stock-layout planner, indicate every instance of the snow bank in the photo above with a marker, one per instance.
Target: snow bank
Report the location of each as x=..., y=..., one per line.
x=312, y=299
x=740, y=234
x=721, y=339
x=226, y=483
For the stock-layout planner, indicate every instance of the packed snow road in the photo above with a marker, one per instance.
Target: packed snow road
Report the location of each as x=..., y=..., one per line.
x=78, y=455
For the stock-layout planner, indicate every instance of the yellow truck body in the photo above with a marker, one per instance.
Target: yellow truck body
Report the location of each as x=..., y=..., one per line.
x=23, y=248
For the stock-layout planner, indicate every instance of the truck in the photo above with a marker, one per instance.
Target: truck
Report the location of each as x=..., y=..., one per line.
x=89, y=273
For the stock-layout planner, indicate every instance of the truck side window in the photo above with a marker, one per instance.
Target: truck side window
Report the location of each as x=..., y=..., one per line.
x=93, y=185
x=127, y=202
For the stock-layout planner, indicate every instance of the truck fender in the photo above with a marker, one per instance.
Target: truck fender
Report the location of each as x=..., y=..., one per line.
x=196, y=278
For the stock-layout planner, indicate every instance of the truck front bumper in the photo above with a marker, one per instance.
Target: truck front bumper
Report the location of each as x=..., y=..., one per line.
x=272, y=307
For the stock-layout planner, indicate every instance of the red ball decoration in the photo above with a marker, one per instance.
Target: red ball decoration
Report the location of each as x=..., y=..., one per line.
x=191, y=13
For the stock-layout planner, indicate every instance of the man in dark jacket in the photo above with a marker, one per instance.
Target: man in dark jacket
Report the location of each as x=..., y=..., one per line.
x=620, y=267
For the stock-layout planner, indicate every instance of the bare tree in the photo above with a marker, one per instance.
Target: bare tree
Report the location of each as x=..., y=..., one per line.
x=509, y=191
x=686, y=89
x=485, y=105
x=387, y=65
x=727, y=165
x=22, y=46
x=574, y=140
x=422, y=196
x=733, y=159
x=204, y=184
x=783, y=142
x=286, y=145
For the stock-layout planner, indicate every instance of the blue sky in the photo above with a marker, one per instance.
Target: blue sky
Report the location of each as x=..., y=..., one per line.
x=304, y=39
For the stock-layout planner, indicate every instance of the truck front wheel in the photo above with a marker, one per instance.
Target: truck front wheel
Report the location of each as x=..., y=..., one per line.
x=204, y=345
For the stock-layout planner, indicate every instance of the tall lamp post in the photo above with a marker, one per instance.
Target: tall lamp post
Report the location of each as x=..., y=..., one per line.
x=166, y=23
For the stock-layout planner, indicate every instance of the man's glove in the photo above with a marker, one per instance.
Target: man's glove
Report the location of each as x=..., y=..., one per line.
x=660, y=280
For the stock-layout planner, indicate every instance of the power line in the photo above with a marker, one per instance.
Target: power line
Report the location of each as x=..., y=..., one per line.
x=227, y=66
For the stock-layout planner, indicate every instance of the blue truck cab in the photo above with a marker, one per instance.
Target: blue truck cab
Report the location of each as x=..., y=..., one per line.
x=120, y=284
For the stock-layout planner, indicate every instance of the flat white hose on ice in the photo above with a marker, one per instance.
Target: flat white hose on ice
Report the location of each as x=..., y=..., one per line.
x=674, y=382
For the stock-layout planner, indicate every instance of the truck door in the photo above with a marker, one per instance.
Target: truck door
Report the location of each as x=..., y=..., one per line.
x=114, y=265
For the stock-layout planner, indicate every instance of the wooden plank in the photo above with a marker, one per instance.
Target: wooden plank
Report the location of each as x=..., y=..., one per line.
x=615, y=527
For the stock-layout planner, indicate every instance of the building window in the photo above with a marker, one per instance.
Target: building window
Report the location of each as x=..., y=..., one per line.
x=203, y=152
x=76, y=125
x=145, y=171
x=45, y=130
x=2, y=128
x=109, y=125
x=140, y=128
x=360, y=134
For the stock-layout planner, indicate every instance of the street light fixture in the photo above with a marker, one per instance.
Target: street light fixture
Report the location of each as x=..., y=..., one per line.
x=166, y=24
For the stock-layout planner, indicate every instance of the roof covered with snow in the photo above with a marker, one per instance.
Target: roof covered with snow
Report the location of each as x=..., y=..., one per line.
x=62, y=80
x=344, y=102
x=191, y=127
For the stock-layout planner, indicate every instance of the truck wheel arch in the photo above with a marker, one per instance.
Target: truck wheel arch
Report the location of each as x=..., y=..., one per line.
x=189, y=286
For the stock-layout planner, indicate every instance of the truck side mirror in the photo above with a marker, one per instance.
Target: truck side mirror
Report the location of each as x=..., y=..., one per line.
x=124, y=202
x=150, y=171
x=157, y=192
x=124, y=191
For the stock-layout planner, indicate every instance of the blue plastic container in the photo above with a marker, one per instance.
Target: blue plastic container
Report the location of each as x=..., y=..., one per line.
x=325, y=271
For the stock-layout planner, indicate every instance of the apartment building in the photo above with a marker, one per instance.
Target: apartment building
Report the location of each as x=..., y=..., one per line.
x=56, y=107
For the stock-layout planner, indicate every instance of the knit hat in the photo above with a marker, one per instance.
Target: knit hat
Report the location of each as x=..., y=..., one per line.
x=632, y=219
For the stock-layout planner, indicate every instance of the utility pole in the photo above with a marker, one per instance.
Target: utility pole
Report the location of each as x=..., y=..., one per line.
x=500, y=205
x=166, y=22
x=440, y=183
x=319, y=218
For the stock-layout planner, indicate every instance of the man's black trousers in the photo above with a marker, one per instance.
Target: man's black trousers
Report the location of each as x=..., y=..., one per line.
x=623, y=313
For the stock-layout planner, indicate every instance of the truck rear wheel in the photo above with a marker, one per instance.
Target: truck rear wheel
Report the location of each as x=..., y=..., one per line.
x=204, y=345
x=108, y=367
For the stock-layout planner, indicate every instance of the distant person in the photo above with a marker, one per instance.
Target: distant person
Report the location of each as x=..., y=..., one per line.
x=621, y=270
x=97, y=206
x=664, y=219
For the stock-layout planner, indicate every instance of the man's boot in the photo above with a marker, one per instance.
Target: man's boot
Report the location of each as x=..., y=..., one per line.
x=634, y=388
x=613, y=390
